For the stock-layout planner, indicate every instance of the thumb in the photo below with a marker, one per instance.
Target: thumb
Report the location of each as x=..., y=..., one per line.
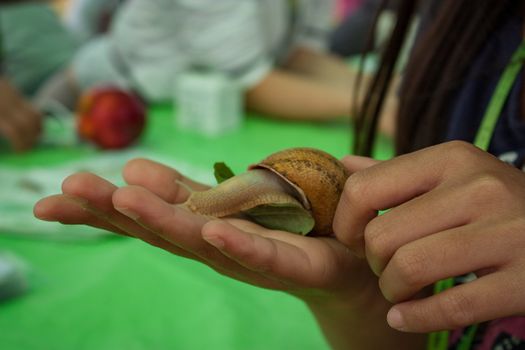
x=356, y=163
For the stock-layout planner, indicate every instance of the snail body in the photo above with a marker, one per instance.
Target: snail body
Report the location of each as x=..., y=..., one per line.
x=296, y=190
x=240, y=193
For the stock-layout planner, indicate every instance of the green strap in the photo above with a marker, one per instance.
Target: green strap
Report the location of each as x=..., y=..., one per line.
x=439, y=340
x=488, y=124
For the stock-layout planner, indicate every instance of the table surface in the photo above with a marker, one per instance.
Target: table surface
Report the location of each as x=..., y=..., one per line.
x=119, y=293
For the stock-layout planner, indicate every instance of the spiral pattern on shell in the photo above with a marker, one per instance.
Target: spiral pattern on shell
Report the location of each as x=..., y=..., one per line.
x=319, y=175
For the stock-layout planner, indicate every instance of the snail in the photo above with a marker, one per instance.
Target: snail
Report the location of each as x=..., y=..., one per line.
x=295, y=190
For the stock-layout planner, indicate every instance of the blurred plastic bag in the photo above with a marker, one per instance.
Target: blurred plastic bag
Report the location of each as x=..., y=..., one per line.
x=13, y=281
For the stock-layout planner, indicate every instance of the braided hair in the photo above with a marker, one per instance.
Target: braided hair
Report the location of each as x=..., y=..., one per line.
x=435, y=71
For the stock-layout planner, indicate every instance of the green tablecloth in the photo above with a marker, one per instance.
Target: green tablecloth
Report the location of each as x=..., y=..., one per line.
x=119, y=293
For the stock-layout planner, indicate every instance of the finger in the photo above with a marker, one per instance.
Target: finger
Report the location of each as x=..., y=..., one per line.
x=176, y=225
x=393, y=182
x=271, y=257
x=92, y=188
x=357, y=163
x=181, y=228
x=474, y=302
x=221, y=235
x=94, y=195
x=454, y=252
x=438, y=210
x=70, y=210
x=160, y=180
x=98, y=193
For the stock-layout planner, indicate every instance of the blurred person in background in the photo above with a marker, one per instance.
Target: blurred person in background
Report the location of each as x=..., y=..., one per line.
x=274, y=49
x=35, y=46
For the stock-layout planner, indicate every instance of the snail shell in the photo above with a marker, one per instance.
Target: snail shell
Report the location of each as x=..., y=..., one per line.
x=318, y=178
x=304, y=178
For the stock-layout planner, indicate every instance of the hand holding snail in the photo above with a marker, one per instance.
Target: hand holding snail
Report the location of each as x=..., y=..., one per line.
x=295, y=190
x=340, y=289
x=151, y=208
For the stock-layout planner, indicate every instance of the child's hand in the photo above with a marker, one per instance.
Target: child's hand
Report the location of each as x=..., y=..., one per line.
x=20, y=123
x=454, y=210
x=147, y=210
x=339, y=288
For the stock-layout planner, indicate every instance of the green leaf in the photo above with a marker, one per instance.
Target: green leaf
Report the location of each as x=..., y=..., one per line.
x=222, y=172
x=288, y=217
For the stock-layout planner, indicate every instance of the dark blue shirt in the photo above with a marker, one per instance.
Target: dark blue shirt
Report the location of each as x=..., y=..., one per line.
x=468, y=108
x=508, y=143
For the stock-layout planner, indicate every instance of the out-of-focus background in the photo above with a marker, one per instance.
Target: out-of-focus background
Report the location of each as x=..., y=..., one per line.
x=61, y=5
x=73, y=287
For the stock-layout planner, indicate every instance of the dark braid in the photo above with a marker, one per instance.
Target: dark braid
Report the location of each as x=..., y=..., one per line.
x=436, y=69
x=367, y=118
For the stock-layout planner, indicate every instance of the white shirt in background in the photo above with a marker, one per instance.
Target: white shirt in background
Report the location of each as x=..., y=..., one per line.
x=152, y=41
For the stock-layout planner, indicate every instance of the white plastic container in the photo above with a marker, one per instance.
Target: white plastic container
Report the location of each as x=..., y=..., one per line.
x=208, y=103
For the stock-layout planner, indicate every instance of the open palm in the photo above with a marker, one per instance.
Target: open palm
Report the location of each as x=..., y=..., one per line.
x=147, y=209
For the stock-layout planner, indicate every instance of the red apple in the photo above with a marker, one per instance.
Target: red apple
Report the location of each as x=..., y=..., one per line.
x=110, y=117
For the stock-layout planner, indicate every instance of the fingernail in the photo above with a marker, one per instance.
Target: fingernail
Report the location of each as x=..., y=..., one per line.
x=395, y=319
x=129, y=213
x=214, y=241
x=39, y=215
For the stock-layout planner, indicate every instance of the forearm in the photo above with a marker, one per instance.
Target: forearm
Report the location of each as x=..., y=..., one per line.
x=330, y=70
x=291, y=96
x=323, y=67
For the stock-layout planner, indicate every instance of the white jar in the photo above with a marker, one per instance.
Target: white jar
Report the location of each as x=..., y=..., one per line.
x=207, y=102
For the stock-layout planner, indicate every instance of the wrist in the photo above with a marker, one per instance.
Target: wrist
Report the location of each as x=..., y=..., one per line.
x=352, y=305
x=357, y=318
x=361, y=325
